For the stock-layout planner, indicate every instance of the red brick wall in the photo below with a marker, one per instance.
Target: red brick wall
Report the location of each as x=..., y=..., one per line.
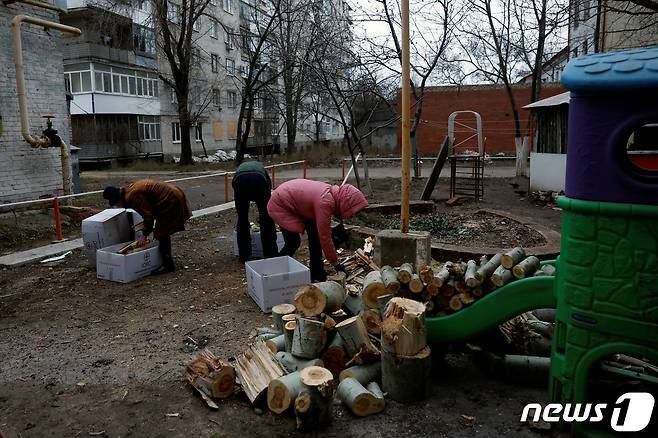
x=489, y=100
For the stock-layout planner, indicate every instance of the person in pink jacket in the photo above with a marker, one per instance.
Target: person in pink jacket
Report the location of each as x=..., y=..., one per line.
x=303, y=205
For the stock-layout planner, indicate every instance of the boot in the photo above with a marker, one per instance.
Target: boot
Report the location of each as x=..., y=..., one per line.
x=167, y=258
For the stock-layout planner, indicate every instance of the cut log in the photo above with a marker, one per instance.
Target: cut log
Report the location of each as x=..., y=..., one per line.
x=483, y=260
x=211, y=375
x=426, y=274
x=545, y=270
x=415, y=284
x=308, y=339
x=466, y=298
x=382, y=302
x=325, y=297
x=353, y=304
x=461, y=287
x=372, y=320
x=277, y=314
x=260, y=331
x=403, y=327
x=390, y=279
x=448, y=289
x=407, y=378
x=526, y=267
x=469, y=276
x=432, y=290
x=455, y=303
x=289, y=334
x=373, y=287
x=282, y=392
x=405, y=272
x=458, y=269
x=292, y=363
x=374, y=388
x=357, y=343
x=477, y=291
x=334, y=356
x=319, y=378
x=276, y=344
x=501, y=276
x=363, y=373
x=512, y=257
x=358, y=399
x=441, y=277
x=488, y=268
x=266, y=336
x=312, y=410
x=256, y=368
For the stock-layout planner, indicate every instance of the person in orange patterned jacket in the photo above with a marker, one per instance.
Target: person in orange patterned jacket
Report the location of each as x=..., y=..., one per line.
x=164, y=208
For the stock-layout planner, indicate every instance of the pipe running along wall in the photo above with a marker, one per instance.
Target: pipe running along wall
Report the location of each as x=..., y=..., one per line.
x=43, y=5
x=40, y=141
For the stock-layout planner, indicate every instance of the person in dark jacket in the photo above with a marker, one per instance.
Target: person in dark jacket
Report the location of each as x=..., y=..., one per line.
x=251, y=183
x=164, y=208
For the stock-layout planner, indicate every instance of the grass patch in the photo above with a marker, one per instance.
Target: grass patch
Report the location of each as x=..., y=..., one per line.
x=436, y=225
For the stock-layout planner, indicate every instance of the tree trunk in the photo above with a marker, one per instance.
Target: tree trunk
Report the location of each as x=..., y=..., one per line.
x=185, y=144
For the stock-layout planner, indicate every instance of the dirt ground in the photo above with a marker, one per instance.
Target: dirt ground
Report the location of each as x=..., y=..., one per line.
x=80, y=356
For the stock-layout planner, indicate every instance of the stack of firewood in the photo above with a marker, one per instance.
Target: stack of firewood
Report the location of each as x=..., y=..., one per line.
x=448, y=287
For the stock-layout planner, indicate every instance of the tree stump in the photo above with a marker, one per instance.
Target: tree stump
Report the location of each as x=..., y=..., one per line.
x=278, y=312
x=407, y=378
x=403, y=327
x=314, y=299
x=308, y=339
x=373, y=287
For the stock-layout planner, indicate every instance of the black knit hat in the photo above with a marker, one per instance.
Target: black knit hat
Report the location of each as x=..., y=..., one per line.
x=112, y=194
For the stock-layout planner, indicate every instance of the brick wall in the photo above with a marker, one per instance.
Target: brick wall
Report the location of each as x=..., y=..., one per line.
x=27, y=173
x=489, y=100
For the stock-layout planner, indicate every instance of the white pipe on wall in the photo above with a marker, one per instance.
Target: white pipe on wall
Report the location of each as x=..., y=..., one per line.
x=39, y=141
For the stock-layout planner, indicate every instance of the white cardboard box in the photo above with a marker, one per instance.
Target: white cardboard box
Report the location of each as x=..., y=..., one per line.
x=275, y=281
x=109, y=227
x=126, y=268
x=256, y=243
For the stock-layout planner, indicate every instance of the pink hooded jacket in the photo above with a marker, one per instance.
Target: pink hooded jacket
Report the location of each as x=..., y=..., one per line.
x=298, y=200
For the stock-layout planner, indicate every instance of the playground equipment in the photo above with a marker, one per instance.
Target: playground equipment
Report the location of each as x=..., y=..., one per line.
x=606, y=284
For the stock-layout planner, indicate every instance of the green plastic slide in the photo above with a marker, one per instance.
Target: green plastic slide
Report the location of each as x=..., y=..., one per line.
x=495, y=308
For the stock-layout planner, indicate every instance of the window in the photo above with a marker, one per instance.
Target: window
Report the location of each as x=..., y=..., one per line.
x=275, y=128
x=198, y=132
x=230, y=67
x=78, y=82
x=228, y=40
x=216, y=97
x=174, y=99
x=232, y=99
x=148, y=127
x=228, y=6
x=175, y=132
x=214, y=62
x=173, y=13
x=258, y=101
x=143, y=39
x=244, y=71
x=214, y=29
x=116, y=80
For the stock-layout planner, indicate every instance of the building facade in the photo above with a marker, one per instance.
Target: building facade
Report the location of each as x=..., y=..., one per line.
x=27, y=173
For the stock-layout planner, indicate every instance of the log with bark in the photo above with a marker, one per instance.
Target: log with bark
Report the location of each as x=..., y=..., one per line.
x=545, y=270
x=334, y=356
x=282, y=392
x=277, y=343
x=278, y=312
x=210, y=376
x=358, y=399
x=390, y=279
x=372, y=320
x=455, y=303
x=512, y=257
x=426, y=274
x=292, y=363
x=314, y=299
x=501, y=276
x=358, y=345
x=314, y=402
x=405, y=272
x=373, y=287
x=415, y=284
x=441, y=277
x=256, y=368
x=448, y=288
x=363, y=373
x=526, y=267
x=485, y=271
x=309, y=338
x=469, y=276
x=407, y=378
x=403, y=327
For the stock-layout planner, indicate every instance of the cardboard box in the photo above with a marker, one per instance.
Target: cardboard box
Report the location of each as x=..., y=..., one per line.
x=275, y=281
x=256, y=243
x=109, y=227
x=126, y=268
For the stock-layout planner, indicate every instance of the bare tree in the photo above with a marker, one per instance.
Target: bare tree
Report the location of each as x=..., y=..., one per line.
x=431, y=32
x=175, y=24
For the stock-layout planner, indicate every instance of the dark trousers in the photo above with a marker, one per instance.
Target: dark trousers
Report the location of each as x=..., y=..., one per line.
x=252, y=187
x=292, y=242
x=164, y=245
